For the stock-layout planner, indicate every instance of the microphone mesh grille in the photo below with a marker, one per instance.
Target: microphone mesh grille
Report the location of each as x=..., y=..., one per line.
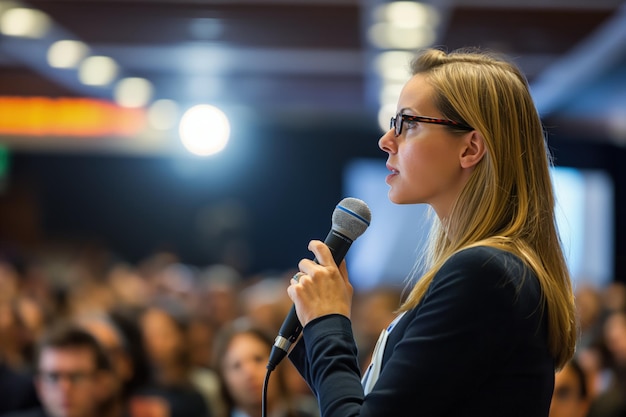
x=351, y=217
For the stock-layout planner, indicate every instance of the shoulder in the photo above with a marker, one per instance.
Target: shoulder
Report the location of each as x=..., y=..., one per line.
x=483, y=271
x=485, y=257
x=486, y=263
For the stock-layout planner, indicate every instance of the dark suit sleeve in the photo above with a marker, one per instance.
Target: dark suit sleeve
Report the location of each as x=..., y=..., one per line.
x=468, y=324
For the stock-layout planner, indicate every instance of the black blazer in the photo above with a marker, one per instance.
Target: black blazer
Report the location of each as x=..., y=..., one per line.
x=476, y=345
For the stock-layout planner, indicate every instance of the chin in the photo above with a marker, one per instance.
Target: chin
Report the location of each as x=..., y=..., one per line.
x=401, y=200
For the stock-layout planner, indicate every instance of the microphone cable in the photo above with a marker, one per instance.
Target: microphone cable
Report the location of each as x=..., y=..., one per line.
x=264, y=395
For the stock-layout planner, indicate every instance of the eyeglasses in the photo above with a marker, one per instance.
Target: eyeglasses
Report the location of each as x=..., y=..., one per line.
x=396, y=122
x=74, y=378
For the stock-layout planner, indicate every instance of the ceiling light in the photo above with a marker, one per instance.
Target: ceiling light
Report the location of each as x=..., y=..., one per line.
x=386, y=36
x=408, y=14
x=97, y=70
x=133, y=92
x=394, y=65
x=66, y=54
x=23, y=22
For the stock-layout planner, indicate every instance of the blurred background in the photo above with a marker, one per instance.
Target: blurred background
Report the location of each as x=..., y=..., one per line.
x=100, y=156
x=164, y=163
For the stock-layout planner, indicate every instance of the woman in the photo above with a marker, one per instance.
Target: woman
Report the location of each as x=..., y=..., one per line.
x=570, y=398
x=164, y=334
x=240, y=355
x=482, y=331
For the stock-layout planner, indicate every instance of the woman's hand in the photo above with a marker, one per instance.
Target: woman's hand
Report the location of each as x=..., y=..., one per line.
x=322, y=288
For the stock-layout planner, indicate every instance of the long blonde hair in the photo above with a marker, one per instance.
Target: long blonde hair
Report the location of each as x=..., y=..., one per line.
x=508, y=202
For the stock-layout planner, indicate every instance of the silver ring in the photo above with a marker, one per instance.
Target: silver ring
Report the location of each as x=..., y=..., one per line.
x=297, y=276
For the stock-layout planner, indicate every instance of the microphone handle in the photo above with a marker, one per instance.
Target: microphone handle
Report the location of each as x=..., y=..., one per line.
x=291, y=327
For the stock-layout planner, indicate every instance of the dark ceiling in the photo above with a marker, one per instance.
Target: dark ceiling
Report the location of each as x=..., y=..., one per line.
x=306, y=57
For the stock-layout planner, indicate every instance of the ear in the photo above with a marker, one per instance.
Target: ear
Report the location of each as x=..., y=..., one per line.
x=474, y=149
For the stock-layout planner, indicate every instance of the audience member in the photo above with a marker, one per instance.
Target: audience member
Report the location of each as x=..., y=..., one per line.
x=72, y=374
x=241, y=353
x=16, y=387
x=218, y=294
x=265, y=303
x=612, y=401
x=595, y=361
x=614, y=296
x=200, y=333
x=165, y=340
x=570, y=397
x=590, y=310
x=112, y=341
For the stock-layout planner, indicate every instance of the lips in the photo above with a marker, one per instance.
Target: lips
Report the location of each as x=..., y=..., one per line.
x=394, y=173
x=392, y=169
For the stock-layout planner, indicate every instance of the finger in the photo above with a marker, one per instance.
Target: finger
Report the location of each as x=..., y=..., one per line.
x=308, y=266
x=343, y=269
x=297, y=276
x=322, y=253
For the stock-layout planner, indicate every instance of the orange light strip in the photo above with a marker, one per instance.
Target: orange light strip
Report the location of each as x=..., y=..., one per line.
x=83, y=117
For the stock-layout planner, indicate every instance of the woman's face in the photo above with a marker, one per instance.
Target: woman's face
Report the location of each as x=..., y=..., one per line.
x=567, y=400
x=424, y=158
x=162, y=337
x=243, y=368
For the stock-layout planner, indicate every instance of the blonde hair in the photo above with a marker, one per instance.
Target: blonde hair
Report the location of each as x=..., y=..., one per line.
x=508, y=201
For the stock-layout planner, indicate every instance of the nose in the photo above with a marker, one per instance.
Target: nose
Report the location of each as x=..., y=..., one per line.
x=64, y=385
x=387, y=142
x=251, y=368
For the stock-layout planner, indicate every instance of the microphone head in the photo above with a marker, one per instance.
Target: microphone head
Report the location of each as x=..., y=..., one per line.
x=351, y=217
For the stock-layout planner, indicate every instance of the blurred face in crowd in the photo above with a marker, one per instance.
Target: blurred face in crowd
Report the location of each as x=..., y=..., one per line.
x=68, y=382
x=243, y=369
x=568, y=399
x=200, y=342
x=109, y=339
x=163, y=339
x=615, y=337
x=113, y=382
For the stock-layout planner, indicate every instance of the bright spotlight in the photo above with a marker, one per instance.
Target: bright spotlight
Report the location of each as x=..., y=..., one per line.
x=204, y=130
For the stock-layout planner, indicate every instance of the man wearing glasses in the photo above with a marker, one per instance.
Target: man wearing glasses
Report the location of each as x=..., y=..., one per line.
x=71, y=372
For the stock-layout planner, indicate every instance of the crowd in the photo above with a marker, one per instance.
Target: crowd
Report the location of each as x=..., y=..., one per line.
x=598, y=370
x=83, y=334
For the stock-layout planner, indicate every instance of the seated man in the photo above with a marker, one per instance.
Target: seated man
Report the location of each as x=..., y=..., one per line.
x=72, y=373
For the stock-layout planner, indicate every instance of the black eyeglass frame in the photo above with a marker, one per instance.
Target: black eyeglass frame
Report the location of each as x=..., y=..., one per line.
x=423, y=119
x=75, y=378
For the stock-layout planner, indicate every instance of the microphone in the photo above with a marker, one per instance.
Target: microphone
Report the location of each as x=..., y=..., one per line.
x=350, y=219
